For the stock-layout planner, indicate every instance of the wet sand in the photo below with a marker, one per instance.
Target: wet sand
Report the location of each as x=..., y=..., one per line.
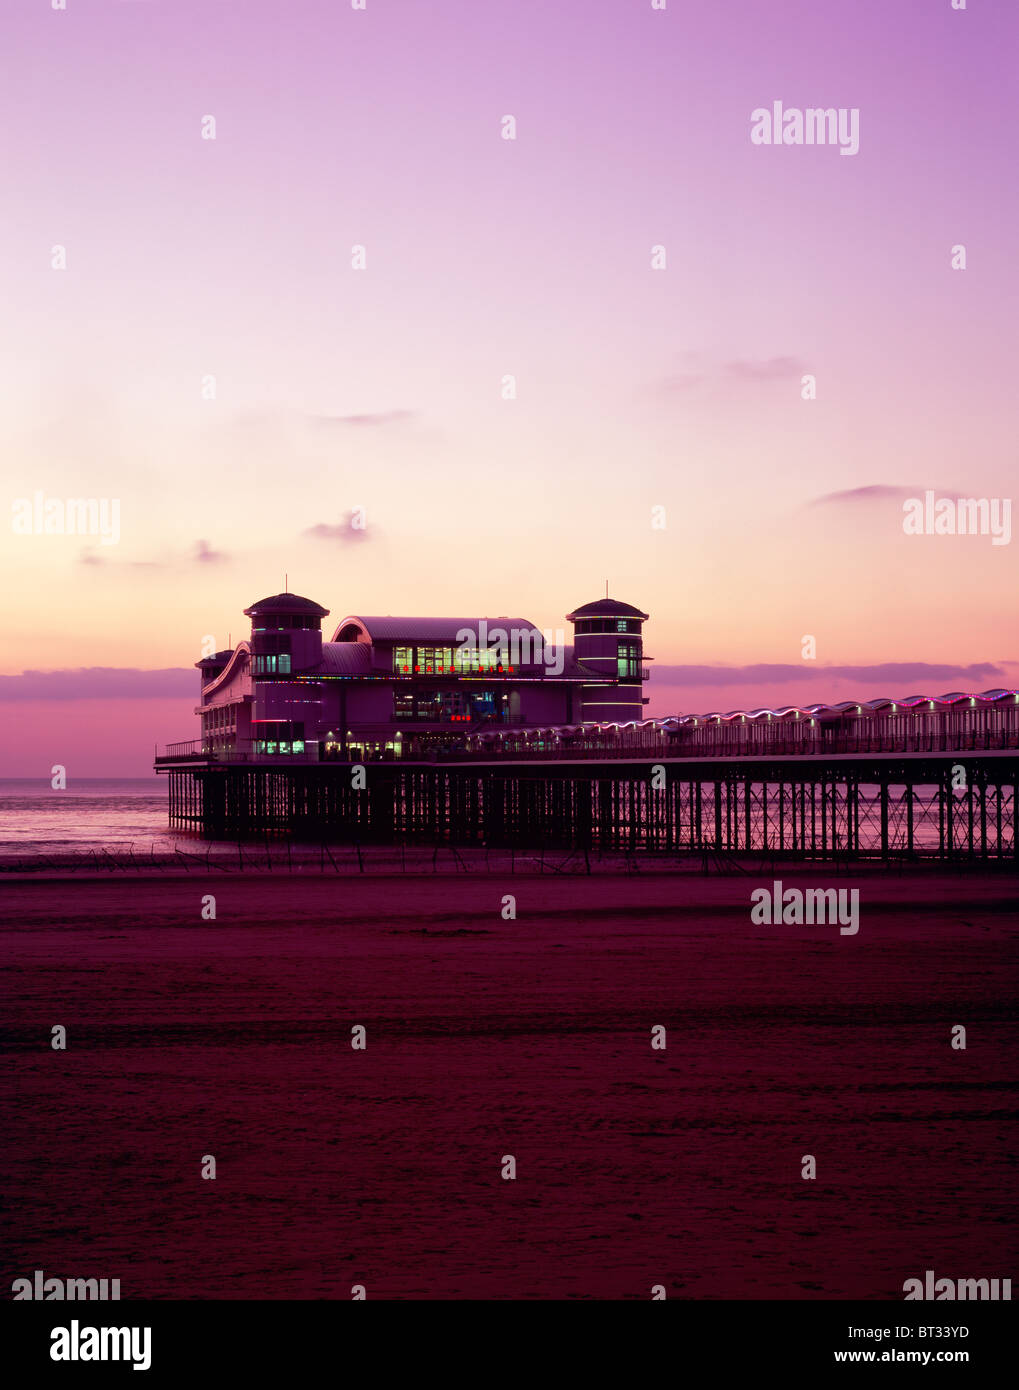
x=488, y=1037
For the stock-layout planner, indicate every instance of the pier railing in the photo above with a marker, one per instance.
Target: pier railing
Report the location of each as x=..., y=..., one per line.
x=517, y=750
x=551, y=749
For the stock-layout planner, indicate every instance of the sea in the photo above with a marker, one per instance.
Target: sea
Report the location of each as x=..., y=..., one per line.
x=93, y=814
x=126, y=819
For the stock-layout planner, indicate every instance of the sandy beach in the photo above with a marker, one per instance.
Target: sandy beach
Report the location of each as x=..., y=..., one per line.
x=489, y=1037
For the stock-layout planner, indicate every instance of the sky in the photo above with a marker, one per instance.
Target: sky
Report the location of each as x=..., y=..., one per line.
x=184, y=332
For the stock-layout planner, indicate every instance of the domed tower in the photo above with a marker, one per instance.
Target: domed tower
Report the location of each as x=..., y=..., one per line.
x=607, y=639
x=286, y=635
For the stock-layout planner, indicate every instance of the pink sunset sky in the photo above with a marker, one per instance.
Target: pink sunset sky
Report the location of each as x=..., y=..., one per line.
x=381, y=388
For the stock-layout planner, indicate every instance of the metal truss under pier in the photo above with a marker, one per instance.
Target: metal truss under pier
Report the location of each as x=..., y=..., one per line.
x=954, y=807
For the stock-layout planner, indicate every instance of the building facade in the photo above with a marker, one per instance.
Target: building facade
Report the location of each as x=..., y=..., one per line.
x=384, y=687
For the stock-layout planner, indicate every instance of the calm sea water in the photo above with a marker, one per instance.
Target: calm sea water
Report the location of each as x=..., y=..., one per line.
x=129, y=816
x=91, y=814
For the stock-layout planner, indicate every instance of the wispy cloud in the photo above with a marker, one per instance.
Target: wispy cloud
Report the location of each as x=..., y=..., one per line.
x=381, y=417
x=205, y=555
x=765, y=369
x=91, y=557
x=872, y=492
x=344, y=531
x=892, y=678
x=732, y=374
x=680, y=383
x=100, y=683
x=202, y=553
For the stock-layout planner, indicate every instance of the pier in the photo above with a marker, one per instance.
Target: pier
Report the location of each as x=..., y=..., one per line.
x=947, y=807
x=489, y=732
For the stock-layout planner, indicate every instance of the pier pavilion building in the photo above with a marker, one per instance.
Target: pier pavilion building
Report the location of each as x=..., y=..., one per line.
x=384, y=687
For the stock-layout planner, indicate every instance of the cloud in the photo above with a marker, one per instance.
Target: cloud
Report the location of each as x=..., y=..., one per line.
x=100, y=683
x=736, y=372
x=344, y=531
x=891, y=678
x=677, y=385
x=205, y=555
x=90, y=557
x=765, y=369
x=872, y=492
x=382, y=417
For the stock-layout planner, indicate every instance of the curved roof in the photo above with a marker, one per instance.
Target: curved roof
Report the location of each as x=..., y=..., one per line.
x=217, y=659
x=441, y=631
x=344, y=659
x=606, y=608
x=236, y=659
x=287, y=603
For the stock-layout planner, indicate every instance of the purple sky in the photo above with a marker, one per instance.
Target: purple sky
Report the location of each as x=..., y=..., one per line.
x=636, y=388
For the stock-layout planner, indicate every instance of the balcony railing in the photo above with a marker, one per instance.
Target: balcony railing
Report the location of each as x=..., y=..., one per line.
x=190, y=748
x=195, y=751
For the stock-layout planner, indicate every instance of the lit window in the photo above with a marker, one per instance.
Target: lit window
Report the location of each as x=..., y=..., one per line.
x=627, y=661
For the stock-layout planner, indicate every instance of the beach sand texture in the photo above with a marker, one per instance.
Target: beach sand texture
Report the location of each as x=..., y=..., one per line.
x=488, y=1037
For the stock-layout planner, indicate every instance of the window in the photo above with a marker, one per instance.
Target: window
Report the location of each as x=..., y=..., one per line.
x=628, y=661
x=446, y=661
x=284, y=622
x=459, y=706
x=434, y=661
x=272, y=665
x=271, y=642
x=599, y=625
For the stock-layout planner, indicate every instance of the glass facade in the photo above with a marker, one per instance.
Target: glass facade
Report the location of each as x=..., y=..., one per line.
x=481, y=706
x=219, y=726
x=607, y=625
x=271, y=665
x=365, y=750
x=283, y=621
x=445, y=661
x=278, y=737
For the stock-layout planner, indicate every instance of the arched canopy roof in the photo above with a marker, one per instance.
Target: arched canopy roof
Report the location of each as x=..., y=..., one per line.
x=441, y=632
